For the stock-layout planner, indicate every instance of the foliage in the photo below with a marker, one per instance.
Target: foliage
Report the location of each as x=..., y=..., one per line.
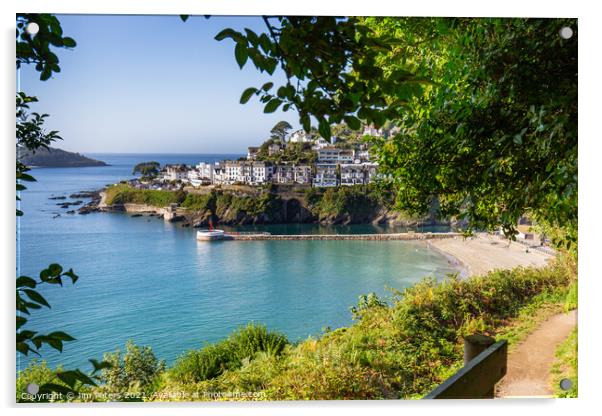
x=197, y=202
x=35, y=373
x=147, y=169
x=136, y=370
x=30, y=135
x=400, y=350
x=37, y=49
x=571, y=302
x=295, y=153
x=565, y=367
x=27, y=299
x=212, y=360
x=371, y=300
x=499, y=125
x=229, y=205
x=351, y=201
x=125, y=194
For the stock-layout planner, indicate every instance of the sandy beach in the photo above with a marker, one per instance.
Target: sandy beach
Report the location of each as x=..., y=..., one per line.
x=484, y=253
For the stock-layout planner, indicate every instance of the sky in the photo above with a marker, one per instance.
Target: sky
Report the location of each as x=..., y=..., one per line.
x=153, y=84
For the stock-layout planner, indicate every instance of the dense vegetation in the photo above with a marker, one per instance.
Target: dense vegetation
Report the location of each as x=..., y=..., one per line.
x=353, y=201
x=399, y=348
x=147, y=169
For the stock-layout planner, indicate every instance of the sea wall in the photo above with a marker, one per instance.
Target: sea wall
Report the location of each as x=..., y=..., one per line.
x=338, y=237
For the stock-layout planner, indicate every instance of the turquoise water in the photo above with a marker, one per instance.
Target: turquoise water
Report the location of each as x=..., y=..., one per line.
x=150, y=281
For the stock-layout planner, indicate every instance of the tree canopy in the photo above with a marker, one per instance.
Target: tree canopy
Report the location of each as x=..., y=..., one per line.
x=280, y=130
x=147, y=169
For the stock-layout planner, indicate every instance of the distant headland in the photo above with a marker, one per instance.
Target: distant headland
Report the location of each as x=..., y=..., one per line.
x=56, y=158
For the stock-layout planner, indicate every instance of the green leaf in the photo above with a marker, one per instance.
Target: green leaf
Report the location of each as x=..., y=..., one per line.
x=324, y=129
x=72, y=275
x=305, y=121
x=60, y=335
x=246, y=95
x=23, y=348
x=353, y=122
x=241, y=54
x=36, y=297
x=20, y=322
x=68, y=43
x=25, y=281
x=55, y=269
x=226, y=33
x=272, y=105
x=267, y=86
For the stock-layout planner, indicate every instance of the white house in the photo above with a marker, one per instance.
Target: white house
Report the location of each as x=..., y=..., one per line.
x=251, y=173
x=175, y=173
x=261, y=173
x=252, y=152
x=358, y=173
x=299, y=136
x=352, y=174
x=284, y=174
x=335, y=155
x=203, y=173
x=326, y=175
x=302, y=174
x=219, y=175
x=372, y=131
x=320, y=143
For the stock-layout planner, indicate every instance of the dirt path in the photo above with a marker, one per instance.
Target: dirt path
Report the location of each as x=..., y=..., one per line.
x=530, y=363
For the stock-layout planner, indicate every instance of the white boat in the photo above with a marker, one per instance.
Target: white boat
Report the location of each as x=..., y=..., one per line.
x=209, y=235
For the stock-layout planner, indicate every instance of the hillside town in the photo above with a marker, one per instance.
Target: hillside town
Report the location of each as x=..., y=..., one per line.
x=325, y=164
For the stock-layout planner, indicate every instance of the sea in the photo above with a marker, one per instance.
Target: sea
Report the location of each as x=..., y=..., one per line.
x=150, y=281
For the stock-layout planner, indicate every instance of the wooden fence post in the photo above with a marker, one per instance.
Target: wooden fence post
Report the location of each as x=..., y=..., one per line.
x=473, y=346
x=476, y=344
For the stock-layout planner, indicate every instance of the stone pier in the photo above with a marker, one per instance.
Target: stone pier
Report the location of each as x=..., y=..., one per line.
x=336, y=237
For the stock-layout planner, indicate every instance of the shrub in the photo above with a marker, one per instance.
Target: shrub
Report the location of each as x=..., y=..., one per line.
x=198, y=202
x=38, y=373
x=136, y=370
x=212, y=360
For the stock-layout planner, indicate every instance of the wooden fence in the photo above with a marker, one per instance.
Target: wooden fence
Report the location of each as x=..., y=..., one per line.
x=485, y=363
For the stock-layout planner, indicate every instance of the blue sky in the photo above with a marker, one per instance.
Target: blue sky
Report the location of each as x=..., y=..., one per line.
x=153, y=84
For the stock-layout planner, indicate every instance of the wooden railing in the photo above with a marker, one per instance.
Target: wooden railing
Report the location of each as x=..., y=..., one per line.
x=485, y=363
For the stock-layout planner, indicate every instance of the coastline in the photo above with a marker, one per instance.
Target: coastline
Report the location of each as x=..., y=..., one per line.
x=463, y=269
x=483, y=253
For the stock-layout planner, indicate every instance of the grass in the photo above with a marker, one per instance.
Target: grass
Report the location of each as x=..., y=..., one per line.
x=123, y=194
x=565, y=367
